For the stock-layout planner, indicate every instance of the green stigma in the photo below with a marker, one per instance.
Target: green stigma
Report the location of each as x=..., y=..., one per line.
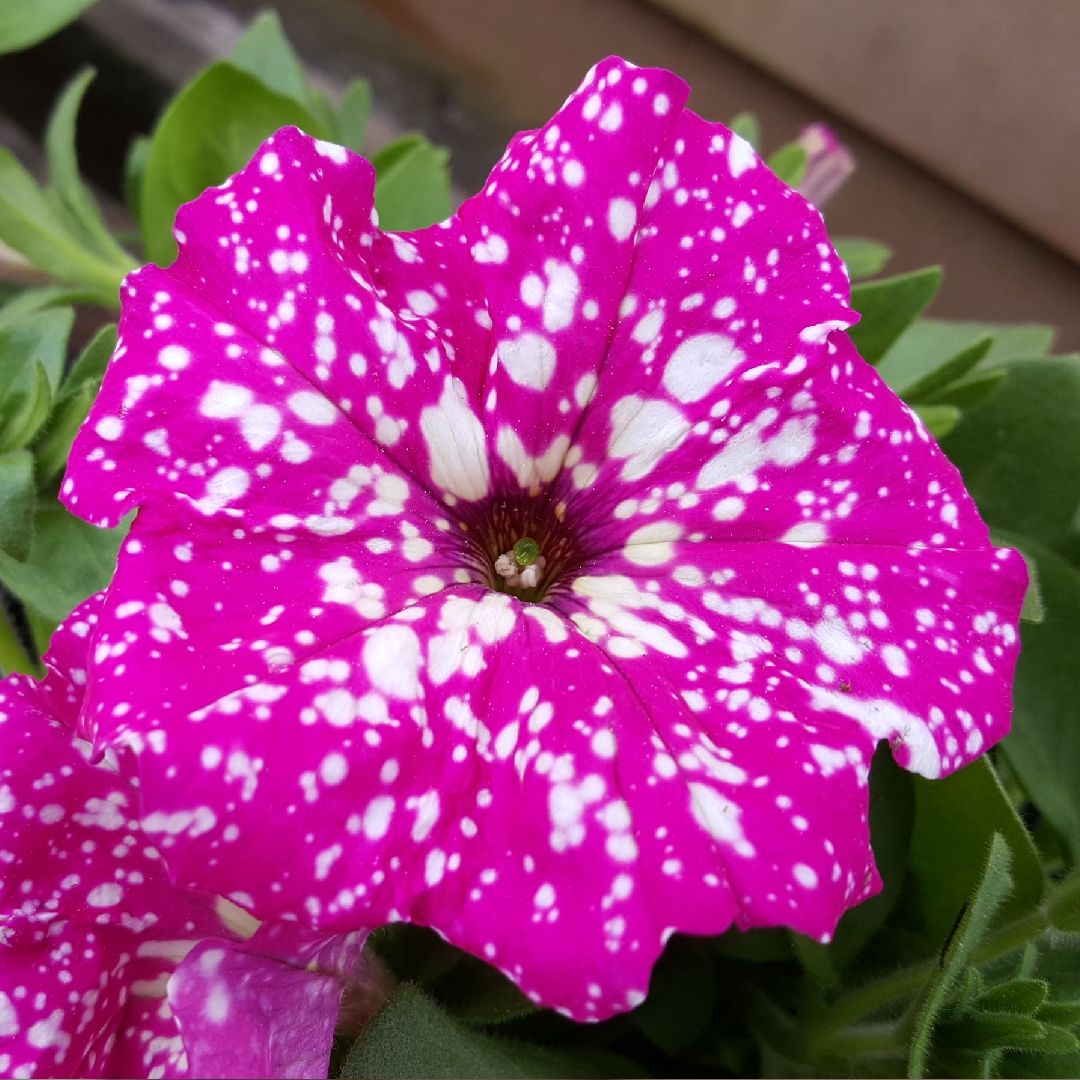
x=526, y=551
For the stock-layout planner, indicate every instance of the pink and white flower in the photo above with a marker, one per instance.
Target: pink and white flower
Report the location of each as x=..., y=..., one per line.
x=628, y=349
x=106, y=969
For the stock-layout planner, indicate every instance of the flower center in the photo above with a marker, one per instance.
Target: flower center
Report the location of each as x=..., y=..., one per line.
x=521, y=545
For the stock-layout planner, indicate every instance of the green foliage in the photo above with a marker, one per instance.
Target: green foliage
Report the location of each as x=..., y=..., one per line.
x=26, y=22
x=863, y=258
x=413, y=185
x=60, y=230
x=955, y=820
x=265, y=52
x=888, y=307
x=17, y=502
x=789, y=163
x=412, y=1036
x=746, y=126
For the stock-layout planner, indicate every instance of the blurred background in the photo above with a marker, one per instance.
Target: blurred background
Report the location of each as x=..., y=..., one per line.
x=964, y=117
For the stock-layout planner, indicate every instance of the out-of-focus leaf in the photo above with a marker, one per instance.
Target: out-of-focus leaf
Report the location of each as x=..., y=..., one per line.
x=746, y=126
x=412, y=1036
x=1065, y=908
x=993, y=887
x=30, y=225
x=939, y=419
x=69, y=560
x=210, y=131
x=17, y=503
x=135, y=173
x=1044, y=745
x=25, y=410
x=353, y=113
x=968, y=393
x=682, y=997
x=41, y=628
x=40, y=338
x=759, y=946
x=26, y=22
x=1039, y=1066
x=69, y=196
x=929, y=343
x=789, y=163
x=955, y=819
x=412, y=189
x=888, y=307
x=863, y=258
x=924, y=389
x=31, y=301
x=1020, y=454
x=92, y=361
x=264, y=51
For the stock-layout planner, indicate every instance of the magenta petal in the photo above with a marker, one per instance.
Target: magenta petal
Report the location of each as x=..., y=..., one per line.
x=242, y=1014
x=88, y=920
x=628, y=348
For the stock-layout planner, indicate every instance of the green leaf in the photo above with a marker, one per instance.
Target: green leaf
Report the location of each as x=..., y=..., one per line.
x=863, y=258
x=92, y=361
x=888, y=307
x=1016, y=996
x=209, y=132
x=69, y=561
x=789, y=163
x=955, y=819
x=924, y=389
x=929, y=343
x=968, y=393
x=412, y=1036
x=477, y=993
x=17, y=503
x=39, y=339
x=1020, y=455
x=71, y=199
x=25, y=411
x=31, y=301
x=53, y=447
x=939, y=419
x=757, y=946
x=1065, y=908
x=994, y=886
x=26, y=22
x=138, y=156
x=30, y=225
x=412, y=189
x=1044, y=745
x=984, y=1031
x=352, y=114
x=682, y=997
x=745, y=125
x=1062, y=1013
x=264, y=51
x=1040, y=1066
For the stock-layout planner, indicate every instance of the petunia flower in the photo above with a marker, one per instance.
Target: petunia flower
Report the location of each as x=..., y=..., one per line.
x=93, y=936
x=829, y=163
x=331, y=637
